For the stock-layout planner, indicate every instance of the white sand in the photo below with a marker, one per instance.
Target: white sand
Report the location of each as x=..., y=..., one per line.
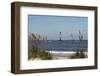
x=62, y=54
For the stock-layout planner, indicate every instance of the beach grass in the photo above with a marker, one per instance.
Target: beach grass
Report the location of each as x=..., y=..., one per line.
x=78, y=55
x=34, y=53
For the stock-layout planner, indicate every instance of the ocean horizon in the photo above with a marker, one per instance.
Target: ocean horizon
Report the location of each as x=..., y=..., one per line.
x=61, y=45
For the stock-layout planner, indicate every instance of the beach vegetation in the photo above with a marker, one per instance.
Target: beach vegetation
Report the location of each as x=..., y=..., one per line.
x=78, y=55
x=36, y=52
x=80, y=52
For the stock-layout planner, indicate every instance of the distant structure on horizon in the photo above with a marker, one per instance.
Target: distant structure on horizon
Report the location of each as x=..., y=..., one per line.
x=60, y=36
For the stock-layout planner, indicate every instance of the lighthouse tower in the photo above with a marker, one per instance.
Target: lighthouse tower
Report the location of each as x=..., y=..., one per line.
x=60, y=36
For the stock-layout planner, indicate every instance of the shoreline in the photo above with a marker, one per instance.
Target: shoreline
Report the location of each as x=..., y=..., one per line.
x=63, y=55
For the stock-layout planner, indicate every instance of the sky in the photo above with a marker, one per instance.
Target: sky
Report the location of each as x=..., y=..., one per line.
x=50, y=26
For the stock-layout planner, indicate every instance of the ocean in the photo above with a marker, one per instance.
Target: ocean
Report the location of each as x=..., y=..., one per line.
x=63, y=45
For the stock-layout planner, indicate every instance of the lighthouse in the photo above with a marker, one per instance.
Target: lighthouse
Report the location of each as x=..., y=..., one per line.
x=60, y=36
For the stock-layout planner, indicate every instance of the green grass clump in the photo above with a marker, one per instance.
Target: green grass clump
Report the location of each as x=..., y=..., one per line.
x=37, y=53
x=78, y=55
